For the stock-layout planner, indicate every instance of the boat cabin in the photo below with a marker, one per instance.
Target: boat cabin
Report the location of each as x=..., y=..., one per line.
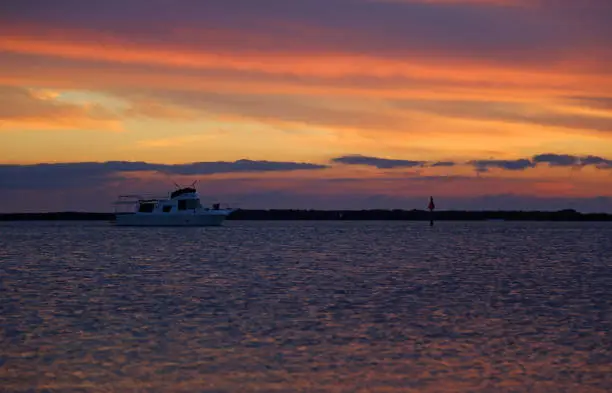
x=183, y=200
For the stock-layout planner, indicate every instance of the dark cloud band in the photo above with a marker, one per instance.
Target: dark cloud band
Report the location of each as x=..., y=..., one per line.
x=552, y=159
x=381, y=163
x=88, y=173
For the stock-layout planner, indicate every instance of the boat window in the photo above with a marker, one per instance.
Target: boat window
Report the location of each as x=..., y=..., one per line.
x=167, y=208
x=188, y=204
x=146, y=207
x=192, y=203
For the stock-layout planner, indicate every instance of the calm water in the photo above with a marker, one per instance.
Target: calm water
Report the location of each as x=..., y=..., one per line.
x=306, y=306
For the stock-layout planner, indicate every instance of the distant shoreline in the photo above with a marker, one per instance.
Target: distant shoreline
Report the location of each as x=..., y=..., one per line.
x=344, y=215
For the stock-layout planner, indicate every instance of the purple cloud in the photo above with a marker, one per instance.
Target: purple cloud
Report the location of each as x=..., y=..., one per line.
x=567, y=160
x=552, y=159
x=443, y=164
x=381, y=163
x=510, y=165
x=557, y=159
x=388, y=29
x=83, y=174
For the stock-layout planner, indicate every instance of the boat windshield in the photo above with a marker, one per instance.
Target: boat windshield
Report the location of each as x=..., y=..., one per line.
x=189, y=204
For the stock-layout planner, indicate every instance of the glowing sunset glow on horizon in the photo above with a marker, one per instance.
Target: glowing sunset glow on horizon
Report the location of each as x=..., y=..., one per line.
x=515, y=96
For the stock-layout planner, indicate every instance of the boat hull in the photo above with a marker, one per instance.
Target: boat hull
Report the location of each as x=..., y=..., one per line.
x=171, y=220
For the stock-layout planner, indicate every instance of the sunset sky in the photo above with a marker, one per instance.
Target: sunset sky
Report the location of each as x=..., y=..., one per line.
x=484, y=104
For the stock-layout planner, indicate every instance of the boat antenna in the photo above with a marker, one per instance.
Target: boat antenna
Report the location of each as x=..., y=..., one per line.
x=193, y=184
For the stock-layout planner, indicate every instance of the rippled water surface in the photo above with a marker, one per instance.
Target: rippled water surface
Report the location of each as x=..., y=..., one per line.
x=306, y=306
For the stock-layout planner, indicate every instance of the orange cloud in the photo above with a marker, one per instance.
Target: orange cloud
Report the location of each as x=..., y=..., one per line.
x=94, y=47
x=41, y=109
x=351, y=95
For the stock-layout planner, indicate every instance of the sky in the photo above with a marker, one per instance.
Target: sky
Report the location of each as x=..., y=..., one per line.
x=322, y=104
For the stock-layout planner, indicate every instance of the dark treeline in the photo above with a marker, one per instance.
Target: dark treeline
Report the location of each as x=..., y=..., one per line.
x=414, y=215
x=57, y=216
x=417, y=215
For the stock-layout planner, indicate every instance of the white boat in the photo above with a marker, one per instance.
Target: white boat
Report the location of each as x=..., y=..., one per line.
x=181, y=208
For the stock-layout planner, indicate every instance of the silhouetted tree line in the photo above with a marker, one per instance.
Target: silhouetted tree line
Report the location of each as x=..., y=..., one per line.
x=417, y=215
x=413, y=215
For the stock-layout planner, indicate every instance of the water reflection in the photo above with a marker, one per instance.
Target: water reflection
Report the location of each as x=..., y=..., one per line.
x=335, y=307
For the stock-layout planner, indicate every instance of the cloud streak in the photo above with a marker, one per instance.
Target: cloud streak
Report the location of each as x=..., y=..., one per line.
x=354, y=24
x=444, y=164
x=58, y=175
x=567, y=160
x=41, y=109
x=94, y=173
x=354, y=37
x=515, y=112
x=553, y=160
x=380, y=163
x=509, y=165
x=482, y=165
